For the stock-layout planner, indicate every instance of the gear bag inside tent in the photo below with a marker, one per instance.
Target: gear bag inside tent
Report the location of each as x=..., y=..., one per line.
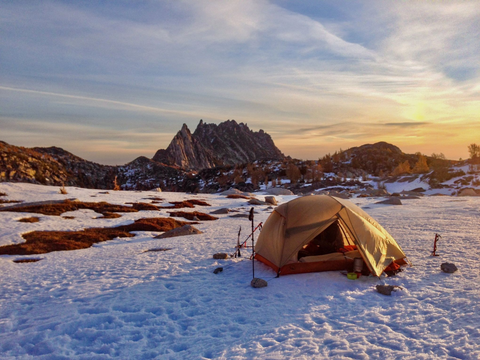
x=325, y=233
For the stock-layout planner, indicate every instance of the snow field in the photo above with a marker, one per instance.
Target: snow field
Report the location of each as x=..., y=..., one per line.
x=114, y=300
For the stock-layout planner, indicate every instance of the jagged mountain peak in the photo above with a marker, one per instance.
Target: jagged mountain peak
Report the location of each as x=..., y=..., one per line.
x=210, y=145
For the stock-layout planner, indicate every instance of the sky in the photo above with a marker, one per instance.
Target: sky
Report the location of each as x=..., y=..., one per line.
x=111, y=81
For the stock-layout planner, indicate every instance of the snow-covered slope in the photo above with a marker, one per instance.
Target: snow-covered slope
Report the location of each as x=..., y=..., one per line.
x=114, y=300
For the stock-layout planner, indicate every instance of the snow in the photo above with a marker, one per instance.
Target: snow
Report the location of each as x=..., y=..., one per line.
x=114, y=300
x=398, y=186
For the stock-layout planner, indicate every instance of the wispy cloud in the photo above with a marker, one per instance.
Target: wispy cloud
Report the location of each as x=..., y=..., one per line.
x=371, y=69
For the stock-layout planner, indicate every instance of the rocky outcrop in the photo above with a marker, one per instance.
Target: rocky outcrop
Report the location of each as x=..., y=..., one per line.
x=186, y=152
x=211, y=145
x=55, y=166
x=81, y=172
x=234, y=143
x=19, y=164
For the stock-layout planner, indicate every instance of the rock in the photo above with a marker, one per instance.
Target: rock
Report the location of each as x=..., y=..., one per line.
x=256, y=202
x=220, y=211
x=279, y=191
x=220, y=256
x=181, y=231
x=218, y=270
x=385, y=289
x=239, y=216
x=258, y=283
x=390, y=201
x=467, y=192
x=448, y=268
x=271, y=200
x=234, y=191
x=339, y=195
x=228, y=143
x=418, y=190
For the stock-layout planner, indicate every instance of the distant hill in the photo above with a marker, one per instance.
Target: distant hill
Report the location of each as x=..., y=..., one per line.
x=217, y=157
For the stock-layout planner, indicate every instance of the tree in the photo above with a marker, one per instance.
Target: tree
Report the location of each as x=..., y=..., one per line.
x=293, y=173
x=403, y=168
x=474, y=151
x=327, y=163
x=421, y=166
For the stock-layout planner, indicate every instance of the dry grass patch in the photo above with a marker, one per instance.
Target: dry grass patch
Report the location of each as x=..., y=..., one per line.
x=10, y=201
x=41, y=242
x=154, y=224
x=68, y=217
x=20, y=261
x=32, y=219
x=143, y=206
x=3, y=194
x=157, y=250
x=58, y=209
x=109, y=215
x=192, y=215
x=185, y=204
x=156, y=198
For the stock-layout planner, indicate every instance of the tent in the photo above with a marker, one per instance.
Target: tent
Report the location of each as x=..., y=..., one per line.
x=324, y=233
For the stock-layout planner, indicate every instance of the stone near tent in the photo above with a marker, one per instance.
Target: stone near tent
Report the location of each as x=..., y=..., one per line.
x=279, y=191
x=258, y=283
x=181, y=231
x=390, y=201
x=220, y=256
x=220, y=211
x=448, y=268
x=385, y=289
x=467, y=192
x=271, y=200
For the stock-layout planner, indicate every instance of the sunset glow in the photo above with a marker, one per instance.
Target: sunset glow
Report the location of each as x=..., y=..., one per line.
x=116, y=80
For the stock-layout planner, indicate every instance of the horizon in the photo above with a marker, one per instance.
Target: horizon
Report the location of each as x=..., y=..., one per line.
x=111, y=82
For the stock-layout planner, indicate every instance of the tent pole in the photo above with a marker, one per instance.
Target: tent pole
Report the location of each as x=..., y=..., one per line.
x=250, y=217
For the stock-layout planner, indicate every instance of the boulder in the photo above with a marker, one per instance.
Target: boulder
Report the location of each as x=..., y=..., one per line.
x=256, y=202
x=448, y=268
x=181, y=231
x=385, y=289
x=467, y=192
x=239, y=216
x=220, y=211
x=258, y=283
x=340, y=195
x=378, y=192
x=390, y=201
x=279, y=191
x=271, y=200
x=220, y=256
